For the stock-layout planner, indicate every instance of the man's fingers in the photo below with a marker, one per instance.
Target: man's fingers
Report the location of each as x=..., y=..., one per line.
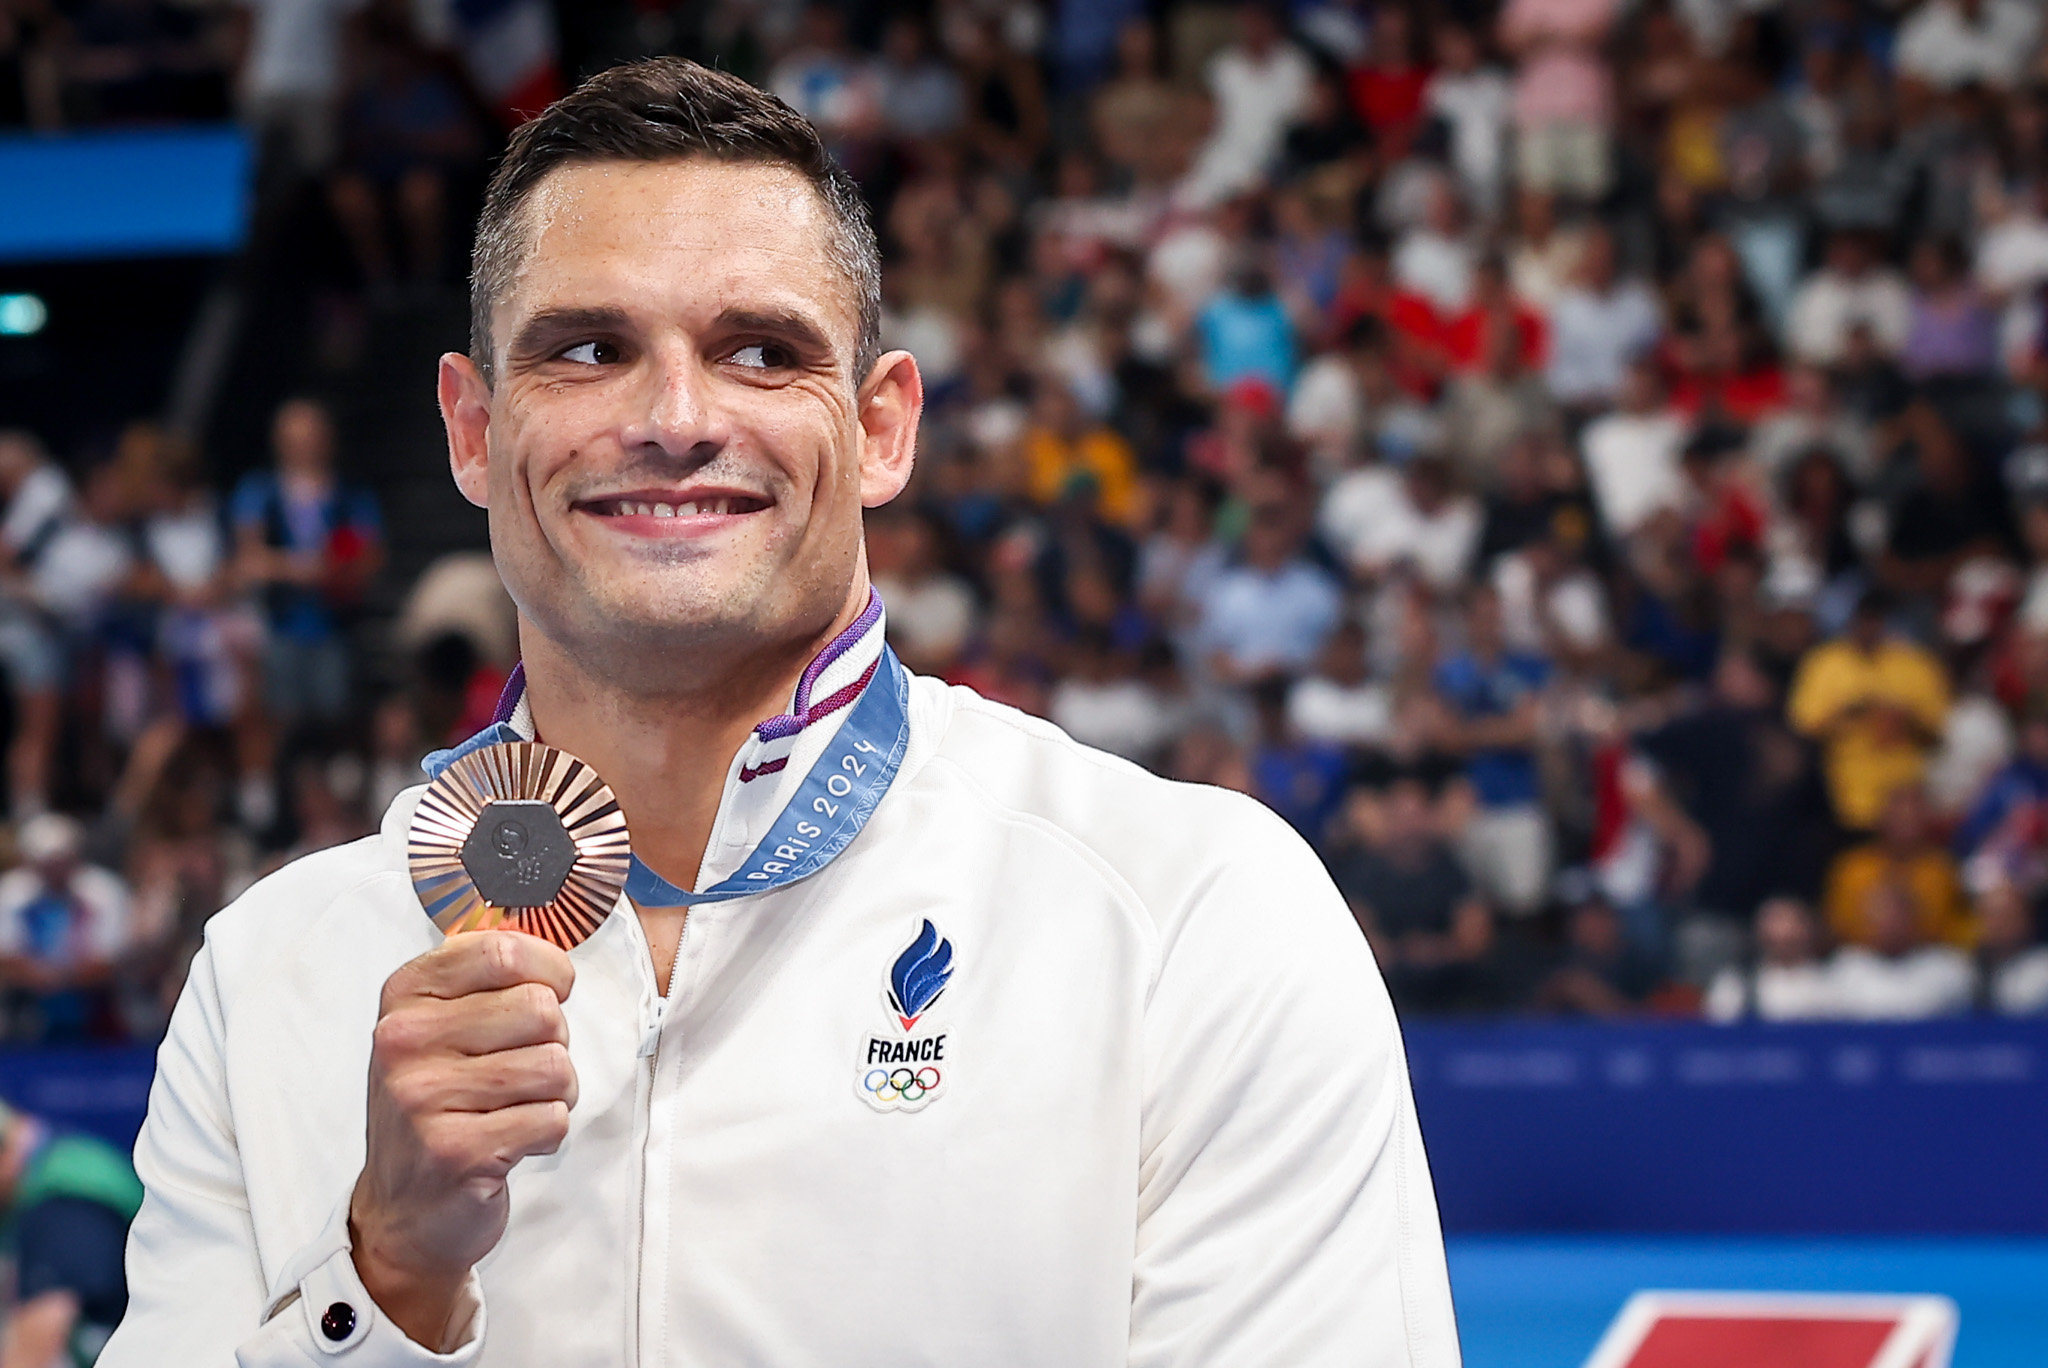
x=479, y=1024
x=482, y=961
x=531, y=1073
x=485, y=1145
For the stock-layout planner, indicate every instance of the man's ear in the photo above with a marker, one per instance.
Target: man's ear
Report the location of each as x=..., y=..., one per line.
x=890, y=405
x=466, y=414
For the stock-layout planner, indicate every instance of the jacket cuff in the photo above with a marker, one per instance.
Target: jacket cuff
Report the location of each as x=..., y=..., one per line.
x=324, y=1316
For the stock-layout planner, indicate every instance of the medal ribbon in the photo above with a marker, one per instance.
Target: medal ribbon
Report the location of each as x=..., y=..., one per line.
x=820, y=820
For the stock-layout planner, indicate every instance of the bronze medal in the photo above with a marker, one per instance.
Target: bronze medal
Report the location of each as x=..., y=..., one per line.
x=523, y=836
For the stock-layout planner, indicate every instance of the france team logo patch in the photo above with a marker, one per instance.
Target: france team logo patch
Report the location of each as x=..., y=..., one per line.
x=905, y=1073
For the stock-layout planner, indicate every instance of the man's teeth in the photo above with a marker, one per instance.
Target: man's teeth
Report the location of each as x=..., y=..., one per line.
x=628, y=508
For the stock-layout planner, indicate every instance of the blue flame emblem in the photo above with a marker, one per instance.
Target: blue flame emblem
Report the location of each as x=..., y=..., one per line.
x=920, y=974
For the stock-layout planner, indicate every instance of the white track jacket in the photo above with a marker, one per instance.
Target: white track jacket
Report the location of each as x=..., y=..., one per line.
x=1159, y=1115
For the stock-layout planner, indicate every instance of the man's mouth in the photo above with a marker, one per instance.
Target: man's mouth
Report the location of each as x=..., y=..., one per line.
x=641, y=506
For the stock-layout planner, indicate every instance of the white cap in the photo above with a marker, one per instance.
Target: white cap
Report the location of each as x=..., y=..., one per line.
x=50, y=836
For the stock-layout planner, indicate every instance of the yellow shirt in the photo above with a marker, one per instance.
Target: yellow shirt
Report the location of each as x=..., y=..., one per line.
x=1865, y=757
x=1051, y=462
x=1929, y=878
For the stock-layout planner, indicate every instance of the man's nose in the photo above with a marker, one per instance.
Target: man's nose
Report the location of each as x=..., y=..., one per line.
x=679, y=409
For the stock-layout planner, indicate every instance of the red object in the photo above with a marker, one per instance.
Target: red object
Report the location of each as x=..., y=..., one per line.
x=1777, y=1330
x=1747, y=397
x=1465, y=337
x=1388, y=97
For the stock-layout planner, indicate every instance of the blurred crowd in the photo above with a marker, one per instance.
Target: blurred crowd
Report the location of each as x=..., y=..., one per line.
x=1583, y=462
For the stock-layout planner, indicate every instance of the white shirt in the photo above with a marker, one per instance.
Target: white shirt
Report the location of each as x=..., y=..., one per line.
x=1346, y=714
x=1943, y=49
x=1594, y=336
x=294, y=47
x=1632, y=463
x=1476, y=105
x=1125, y=717
x=1829, y=305
x=43, y=497
x=1436, y=265
x=1256, y=99
x=2019, y=987
x=1935, y=980
x=1175, y=1126
x=1777, y=992
x=79, y=570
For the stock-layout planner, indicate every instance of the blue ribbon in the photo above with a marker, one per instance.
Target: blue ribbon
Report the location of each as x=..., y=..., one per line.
x=820, y=820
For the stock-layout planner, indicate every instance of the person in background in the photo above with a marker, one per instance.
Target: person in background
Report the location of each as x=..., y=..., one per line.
x=1300, y=777
x=932, y=612
x=1603, y=973
x=66, y=1199
x=1564, y=94
x=1876, y=703
x=1906, y=855
x=311, y=544
x=1787, y=981
x=64, y=926
x=1491, y=698
x=1270, y=613
x=2012, y=964
x=1894, y=973
x=39, y=501
x=1431, y=932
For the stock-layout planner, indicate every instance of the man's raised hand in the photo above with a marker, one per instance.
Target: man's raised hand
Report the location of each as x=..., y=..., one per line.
x=469, y=1074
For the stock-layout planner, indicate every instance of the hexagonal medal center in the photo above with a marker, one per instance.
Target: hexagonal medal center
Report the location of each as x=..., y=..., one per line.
x=519, y=853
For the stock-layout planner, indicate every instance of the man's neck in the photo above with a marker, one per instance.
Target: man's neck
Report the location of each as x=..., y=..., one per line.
x=666, y=755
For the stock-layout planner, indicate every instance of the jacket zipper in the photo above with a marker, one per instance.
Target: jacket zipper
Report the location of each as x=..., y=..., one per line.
x=650, y=1050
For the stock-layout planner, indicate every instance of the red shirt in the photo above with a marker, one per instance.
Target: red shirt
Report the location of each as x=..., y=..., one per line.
x=1388, y=97
x=1465, y=338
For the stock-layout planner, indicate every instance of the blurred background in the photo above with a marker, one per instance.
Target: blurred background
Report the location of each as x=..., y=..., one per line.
x=1583, y=462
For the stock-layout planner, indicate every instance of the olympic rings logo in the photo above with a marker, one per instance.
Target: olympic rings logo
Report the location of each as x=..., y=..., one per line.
x=900, y=1085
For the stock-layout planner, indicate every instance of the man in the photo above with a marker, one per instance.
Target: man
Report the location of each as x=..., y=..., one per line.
x=1158, y=1112
x=1875, y=703
x=63, y=926
x=1493, y=701
x=311, y=544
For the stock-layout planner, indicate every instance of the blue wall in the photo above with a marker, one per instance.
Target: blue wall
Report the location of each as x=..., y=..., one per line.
x=1934, y=1128
x=128, y=193
x=1939, y=1128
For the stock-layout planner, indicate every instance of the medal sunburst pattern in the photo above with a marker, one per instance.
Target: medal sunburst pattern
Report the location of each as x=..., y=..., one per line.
x=455, y=801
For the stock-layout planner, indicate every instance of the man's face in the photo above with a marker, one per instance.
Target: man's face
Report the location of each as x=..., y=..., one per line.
x=675, y=454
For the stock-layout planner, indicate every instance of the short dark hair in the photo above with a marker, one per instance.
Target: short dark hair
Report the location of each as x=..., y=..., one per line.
x=667, y=109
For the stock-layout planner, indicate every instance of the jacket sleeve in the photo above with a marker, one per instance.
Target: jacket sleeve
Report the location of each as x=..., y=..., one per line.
x=196, y=1290
x=1285, y=1212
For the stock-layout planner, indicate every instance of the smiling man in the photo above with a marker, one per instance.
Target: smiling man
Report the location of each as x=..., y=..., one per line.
x=924, y=1034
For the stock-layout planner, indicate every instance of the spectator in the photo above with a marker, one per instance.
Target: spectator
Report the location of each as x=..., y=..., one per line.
x=1601, y=323
x=1950, y=330
x=1851, y=290
x=1951, y=43
x=1435, y=258
x=1564, y=94
x=1431, y=933
x=1067, y=452
x=1474, y=100
x=2012, y=964
x=1632, y=454
x=1875, y=703
x=291, y=78
x=1298, y=776
x=1493, y=697
x=2003, y=838
x=39, y=503
x=1906, y=856
x=1246, y=334
x=932, y=612
x=67, y=1199
x=1260, y=85
x=405, y=133
x=1104, y=700
x=64, y=925
x=1788, y=980
x=1269, y=614
x=1421, y=526
x=1339, y=702
x=1603, y=974
x=920, y=96
x=311, y=543
x=1893, y=973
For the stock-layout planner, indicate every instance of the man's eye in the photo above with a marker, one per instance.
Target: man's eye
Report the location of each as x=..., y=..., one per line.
x=760, y=356
x=592, y=354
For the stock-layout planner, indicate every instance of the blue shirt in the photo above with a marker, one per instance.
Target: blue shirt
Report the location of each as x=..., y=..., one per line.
x=1477, y=688
x=1247, y=339
x=301, y=528
x=1264, y=619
